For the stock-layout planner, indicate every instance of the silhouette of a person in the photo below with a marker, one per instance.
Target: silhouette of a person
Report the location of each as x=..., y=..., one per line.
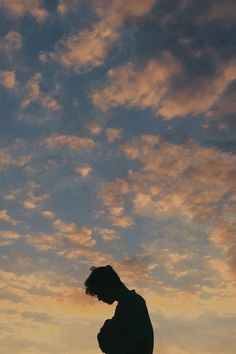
x=130, y=330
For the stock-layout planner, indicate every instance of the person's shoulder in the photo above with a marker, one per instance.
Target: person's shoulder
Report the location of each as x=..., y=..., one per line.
x=135, y=297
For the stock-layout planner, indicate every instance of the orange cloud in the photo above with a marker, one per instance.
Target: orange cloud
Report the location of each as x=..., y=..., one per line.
x=7, y=237
x=198, y=96
x=8, y=79
x=143, y=87
x=48, y=214
x=112, y=194
x=150, y=87
x=94, y=128
x=19, y=8
x=223, y=236
x=90, y=47
x=33, y=199
x=34, y=94
x=78, y=235
x=71, y=141
x=84, y=170
x=116, y=12
x=107, y=234
x=4, y=215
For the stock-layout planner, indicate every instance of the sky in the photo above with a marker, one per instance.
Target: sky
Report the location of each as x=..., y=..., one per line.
x=117, y=146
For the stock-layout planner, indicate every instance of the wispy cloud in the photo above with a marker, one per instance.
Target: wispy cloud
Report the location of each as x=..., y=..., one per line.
x=89, y=48
x=11, y=41
x=71, y=141
x=150, y=87
x=18, y=8
x=141, y=87
x=35, y=94
x=64, y=6
x=113, y=134
x=7, y=159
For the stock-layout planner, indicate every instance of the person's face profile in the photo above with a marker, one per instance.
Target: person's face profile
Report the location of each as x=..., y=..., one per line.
x=105, y=295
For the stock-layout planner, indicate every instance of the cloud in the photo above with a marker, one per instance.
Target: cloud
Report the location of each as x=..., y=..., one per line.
x=94, y=128
x=87, y=256
x=34, y=94
x=8, y=79
x=4, y=215
x=200, y=95
x=186, y=181
x=44, y=242
x=116, y=12
x=225, y=106
x=66, y=237
x=7, y=237
x=64, y=6
x=19, y=8
x=78, y=235
x=187, y=178
x=138, y=87
x=84, y=170
x=12, y=194
x=107, y=234
x=48, y=214
x=223, y=236
x=113, y=134
x=112, y=196
x=86, y=49
x=7, y=160
x=89, y=48
x=33, y=199
x=218, y=11
x=151, y=87
x=73, y=142
x=11, y=41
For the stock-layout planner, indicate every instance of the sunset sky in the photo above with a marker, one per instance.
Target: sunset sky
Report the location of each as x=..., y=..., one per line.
x=117, y=146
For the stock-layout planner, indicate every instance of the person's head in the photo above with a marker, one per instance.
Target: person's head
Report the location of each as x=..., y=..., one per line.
x=104, y=283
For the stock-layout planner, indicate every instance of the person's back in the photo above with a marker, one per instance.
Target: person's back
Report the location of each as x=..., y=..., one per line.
x=130, y=330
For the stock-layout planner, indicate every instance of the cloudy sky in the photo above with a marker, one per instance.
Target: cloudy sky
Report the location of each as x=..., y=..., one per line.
x=117, y=146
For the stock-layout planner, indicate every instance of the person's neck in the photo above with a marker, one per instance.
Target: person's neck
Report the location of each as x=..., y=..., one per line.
x=121, y=293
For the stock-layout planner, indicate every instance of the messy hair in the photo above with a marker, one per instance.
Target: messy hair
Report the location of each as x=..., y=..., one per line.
x=101, y=278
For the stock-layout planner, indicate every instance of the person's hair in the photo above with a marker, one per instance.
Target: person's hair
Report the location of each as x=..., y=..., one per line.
x=101, y=278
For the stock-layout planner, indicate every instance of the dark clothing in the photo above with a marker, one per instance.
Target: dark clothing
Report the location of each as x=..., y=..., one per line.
x=130, y=330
